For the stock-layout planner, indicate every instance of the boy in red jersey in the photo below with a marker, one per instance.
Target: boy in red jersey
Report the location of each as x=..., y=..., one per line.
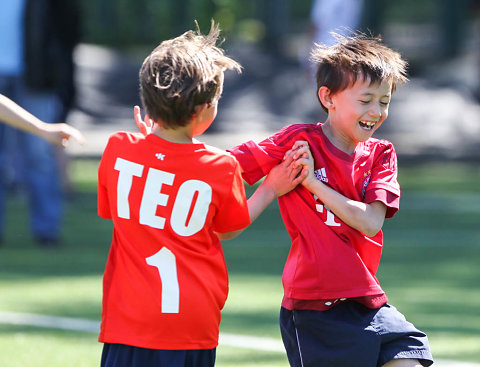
x=334, y=312
x=171, y=199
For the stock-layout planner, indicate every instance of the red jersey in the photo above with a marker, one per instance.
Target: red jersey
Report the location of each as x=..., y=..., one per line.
x=328, y=259
x=166, y=281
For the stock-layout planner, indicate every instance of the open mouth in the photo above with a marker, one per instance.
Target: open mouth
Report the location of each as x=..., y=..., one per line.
x=367, y=125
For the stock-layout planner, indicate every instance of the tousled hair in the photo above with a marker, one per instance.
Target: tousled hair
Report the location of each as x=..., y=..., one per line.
x=357, y=56
x=182, y=73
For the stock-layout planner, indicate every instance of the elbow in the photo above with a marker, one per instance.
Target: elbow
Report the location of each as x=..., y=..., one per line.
x=228, y=235
x=371, y=228
x=369, y=219
x=371, y=232
x=224, y=236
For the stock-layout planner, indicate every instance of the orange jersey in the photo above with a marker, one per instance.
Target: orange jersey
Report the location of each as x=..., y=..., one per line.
x=166, y=280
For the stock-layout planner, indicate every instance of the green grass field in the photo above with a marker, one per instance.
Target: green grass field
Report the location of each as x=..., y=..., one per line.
x=429, y=270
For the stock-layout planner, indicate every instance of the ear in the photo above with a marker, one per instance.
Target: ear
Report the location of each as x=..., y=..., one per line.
x=199, y=108
x=325, y=97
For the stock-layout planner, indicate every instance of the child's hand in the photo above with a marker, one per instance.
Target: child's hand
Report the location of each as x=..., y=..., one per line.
x=145, y=126
x=284, y=177
x=59, y=134
x=302, y=159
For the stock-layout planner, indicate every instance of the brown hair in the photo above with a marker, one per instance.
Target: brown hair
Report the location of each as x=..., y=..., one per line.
x=358, y=56
x=182, y=73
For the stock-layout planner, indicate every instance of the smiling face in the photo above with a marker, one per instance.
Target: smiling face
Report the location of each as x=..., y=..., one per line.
x=356, y=112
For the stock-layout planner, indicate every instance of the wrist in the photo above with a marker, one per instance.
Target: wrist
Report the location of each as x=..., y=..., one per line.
x=268, y=191
x=309, y=182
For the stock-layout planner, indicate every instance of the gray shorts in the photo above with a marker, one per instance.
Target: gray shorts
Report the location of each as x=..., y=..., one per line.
x=351, y=334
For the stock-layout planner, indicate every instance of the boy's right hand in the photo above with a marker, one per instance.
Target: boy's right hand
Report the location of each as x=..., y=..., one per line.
x=302, y=159
x=145, y=126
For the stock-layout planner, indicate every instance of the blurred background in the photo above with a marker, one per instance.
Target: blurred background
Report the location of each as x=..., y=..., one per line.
x=272, y=39
x=50, y=299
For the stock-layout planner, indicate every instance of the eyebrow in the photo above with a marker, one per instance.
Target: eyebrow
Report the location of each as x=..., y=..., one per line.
x=371, y=94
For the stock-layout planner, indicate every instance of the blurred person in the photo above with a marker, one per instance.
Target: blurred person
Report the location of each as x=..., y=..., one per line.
x=37, y=38
x=172, y=199
x=339, y=16
x=334, y=311
x=327, y=16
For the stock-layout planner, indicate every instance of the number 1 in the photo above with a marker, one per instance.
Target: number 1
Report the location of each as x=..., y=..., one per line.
x=164, y=261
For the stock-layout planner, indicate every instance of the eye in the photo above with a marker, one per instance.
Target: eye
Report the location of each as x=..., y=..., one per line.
x=364, y=102
x=385, y=104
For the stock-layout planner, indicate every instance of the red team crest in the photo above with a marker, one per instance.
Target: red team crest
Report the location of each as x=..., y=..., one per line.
x=366, y=181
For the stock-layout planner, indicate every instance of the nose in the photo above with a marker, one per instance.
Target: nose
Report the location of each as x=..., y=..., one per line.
x=375, y=111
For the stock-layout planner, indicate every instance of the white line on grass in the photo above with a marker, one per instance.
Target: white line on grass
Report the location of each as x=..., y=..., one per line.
x=49, y=322
x=89, y=326
x=233, y=340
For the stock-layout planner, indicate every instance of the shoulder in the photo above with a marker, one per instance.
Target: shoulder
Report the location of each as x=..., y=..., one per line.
x=295, y=131
x=215, y=151
x=383, y=150
x=120, y=141
x=379, y=145
x=127, y=137
x=218, y=164
x=123, y=138
x=298, y=128
x=220, y=156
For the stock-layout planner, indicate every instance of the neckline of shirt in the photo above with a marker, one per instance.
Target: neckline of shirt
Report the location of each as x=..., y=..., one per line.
x=338, y=152
x=157, y=140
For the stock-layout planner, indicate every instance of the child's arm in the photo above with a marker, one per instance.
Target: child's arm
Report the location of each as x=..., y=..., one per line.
x=281, y=179
x=16, y=116
x=366, y=218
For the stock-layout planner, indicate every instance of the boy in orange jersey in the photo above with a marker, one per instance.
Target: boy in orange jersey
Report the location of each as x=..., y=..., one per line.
x=171, y=199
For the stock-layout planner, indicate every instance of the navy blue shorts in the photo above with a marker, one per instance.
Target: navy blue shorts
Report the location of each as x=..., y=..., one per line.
x=351, y=334
x=119, y=355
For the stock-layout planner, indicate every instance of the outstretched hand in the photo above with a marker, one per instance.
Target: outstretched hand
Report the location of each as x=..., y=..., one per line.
x=144, y=125
x=285, y=176
x=59, y=134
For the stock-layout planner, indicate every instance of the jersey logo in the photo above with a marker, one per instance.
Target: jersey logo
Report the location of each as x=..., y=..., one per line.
x=321, y=175
x=160, y=156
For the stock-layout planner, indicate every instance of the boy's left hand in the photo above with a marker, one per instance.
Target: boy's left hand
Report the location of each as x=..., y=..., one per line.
x=145, y=126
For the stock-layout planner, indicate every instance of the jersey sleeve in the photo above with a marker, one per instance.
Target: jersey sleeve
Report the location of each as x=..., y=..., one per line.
x=103, y=205
x=258, y=159
x=384, y=186
x=233, y=214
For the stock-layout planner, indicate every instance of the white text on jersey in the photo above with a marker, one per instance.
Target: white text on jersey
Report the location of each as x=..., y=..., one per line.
x=189, y=210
